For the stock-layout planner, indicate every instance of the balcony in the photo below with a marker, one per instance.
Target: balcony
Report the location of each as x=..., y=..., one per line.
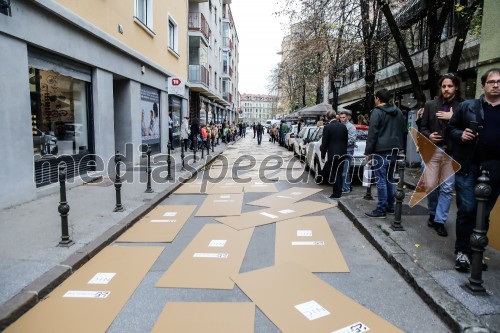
x=227, y=42
x=227, y=96
x=198, y=74
x=230, y=71
x=197, y=22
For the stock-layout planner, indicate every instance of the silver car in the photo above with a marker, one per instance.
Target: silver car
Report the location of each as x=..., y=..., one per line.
x=301, y=141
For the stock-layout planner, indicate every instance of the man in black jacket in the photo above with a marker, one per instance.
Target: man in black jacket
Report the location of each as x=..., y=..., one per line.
x=438, y=166
x=334, y=142
x=474, y=131
x=385, y=136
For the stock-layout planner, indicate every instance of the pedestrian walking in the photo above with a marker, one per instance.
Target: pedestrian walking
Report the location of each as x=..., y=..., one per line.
x=435, y=118
x=473, y=130
x=334, y=143
x=351, y=142
x=385, y=137
x=259, y=130
x=185, y=132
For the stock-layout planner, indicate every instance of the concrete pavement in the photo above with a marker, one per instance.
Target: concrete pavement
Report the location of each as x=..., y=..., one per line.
x=31, y=264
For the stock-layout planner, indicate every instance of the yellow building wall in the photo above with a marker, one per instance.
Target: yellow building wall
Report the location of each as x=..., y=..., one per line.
x=108, y=14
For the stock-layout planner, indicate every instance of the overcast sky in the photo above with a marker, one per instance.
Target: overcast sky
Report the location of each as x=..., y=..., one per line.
x=260, y=35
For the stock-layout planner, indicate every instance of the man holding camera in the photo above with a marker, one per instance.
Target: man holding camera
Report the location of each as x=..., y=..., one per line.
x=435, y=118
x=474, y=132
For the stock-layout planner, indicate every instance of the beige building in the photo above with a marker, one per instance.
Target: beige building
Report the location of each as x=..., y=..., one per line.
x=257, y=108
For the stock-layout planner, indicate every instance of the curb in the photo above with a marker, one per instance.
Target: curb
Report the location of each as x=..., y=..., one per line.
x=452, y=312
x=29, y=296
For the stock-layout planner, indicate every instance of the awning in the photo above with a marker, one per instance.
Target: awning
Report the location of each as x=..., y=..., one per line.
x=344, y=106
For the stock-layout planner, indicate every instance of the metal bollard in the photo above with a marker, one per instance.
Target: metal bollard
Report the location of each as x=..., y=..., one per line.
x=479, y=239
x=195, y=145
x=368, y=194
x=148, y=169
x=182, y=152
x=202, y=149
x=399, y=195
x=169, y=161
x=118, y=184
x=213, y=144
x=63, y=209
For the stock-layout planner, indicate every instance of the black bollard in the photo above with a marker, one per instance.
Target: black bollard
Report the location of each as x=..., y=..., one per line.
x=368, y=195
x=182, y=153
x=118, y=184
x=479, y=239
x=213, y=144
x=148, y=169
x=63, y=209
x=399, y=195
x=195, y=146
x=169, y=161
x=202, y=149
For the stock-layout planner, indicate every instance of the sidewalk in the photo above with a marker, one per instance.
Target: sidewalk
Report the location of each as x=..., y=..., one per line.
x=427, y=261
x=31, y=263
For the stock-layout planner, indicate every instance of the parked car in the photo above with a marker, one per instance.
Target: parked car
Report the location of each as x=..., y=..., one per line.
x=315, y=141
x=301, y=141
x=358, y=160
x=290, y=137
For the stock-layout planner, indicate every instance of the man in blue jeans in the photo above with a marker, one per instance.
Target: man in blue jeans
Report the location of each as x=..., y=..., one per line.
x=385, y=137
x=440, y=176
x=474, y=130
x=259, y=129
x=351, y=142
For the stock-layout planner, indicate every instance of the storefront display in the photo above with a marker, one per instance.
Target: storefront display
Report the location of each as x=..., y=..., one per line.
x=174, y=111
x=150, y=118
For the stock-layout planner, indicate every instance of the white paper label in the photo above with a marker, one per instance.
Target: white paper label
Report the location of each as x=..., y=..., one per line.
x=286, y=211
x=296, y=193
x=225, y=196
x=170, y=214
x=259, y=183
x=312, y=310
x=217, y=243
x=223, y=200
x=101, y=278
x=258, y=186
x=309, y=243
x=304, y=233
x=359, y=327
x=269, y=215
x=87, y=294
x=283, y=197
x=211, y=255
x=164, y=221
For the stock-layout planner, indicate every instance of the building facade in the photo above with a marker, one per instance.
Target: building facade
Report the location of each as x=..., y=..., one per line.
x=258, y=108
x=213, y=61
x=85, y=79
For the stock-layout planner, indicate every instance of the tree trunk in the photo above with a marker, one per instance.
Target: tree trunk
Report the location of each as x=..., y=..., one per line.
x=405, y=55
x=464, y=23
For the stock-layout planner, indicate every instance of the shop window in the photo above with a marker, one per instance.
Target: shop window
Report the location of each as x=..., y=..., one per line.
x=174, y=111
x=59, y=114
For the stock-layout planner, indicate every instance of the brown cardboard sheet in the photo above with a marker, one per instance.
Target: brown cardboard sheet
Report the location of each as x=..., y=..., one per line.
x=207, y=317
x=494, y=230
x=259, y=187
x=309, y=241
x=221, y=205
x=286, y=197
x=298, y=301
x=274, y=214
x=90, y=299
x=209, y=260
x=226, y=186
x=196, y=187
x=162, y=224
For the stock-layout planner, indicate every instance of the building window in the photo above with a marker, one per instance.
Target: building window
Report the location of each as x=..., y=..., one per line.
x=173, y=43
x=144, y=12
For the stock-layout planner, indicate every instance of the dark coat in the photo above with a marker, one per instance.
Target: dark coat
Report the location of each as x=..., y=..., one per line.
x=334, y=141
x=430, y=123
x=387, y=130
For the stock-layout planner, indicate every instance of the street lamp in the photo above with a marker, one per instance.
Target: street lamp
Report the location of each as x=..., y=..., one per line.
x=337, y=84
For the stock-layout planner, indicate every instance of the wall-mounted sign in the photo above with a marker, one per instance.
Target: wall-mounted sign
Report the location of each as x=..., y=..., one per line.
x=176, y=86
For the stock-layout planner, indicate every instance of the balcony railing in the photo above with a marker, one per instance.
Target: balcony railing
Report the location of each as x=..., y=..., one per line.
x=227, y=42
x=198, y=74
x=227, y=96
x=197, y=22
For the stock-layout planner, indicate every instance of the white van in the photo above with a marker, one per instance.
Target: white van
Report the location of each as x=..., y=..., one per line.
x=271, y=122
